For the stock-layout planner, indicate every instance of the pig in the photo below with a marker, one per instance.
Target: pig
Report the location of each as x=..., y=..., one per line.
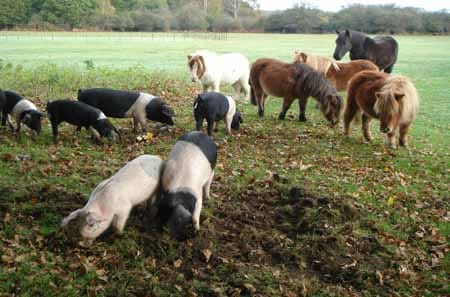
x=112, y=200
x=81, y=115
x=186, y=179
x=22, y=110
x=125, y=104
x=215, y=107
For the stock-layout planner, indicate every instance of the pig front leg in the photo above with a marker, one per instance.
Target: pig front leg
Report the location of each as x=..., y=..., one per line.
x=207, y=187
x=196, y=214
x=121, y=219
x=140, y=119
x=95, y=134
x=10, y=124
x=55, y=132
x=210, y=126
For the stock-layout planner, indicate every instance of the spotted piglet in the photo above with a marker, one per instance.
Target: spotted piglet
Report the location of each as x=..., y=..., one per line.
x=21, y=109
x=186, y=179
x=215, y=107
x=112, y=200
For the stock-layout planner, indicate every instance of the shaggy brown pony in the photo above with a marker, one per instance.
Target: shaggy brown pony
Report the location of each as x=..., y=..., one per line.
x=391, y=99
x=338, y=73
x=293, y=81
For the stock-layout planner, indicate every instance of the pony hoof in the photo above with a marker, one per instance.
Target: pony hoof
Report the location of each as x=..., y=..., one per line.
x=302, y=119
x=261, y=113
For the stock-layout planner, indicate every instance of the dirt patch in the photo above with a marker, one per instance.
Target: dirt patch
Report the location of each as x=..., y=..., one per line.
x=263, y=238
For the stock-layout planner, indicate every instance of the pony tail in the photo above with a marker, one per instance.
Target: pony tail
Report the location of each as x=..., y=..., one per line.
x=252, y=94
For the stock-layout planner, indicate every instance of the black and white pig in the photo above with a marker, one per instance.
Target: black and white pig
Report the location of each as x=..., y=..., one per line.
x=21, y=109
x=126, y=104
x=81, y=115
x=186, y=179
x=112, y=200
x=215, y=107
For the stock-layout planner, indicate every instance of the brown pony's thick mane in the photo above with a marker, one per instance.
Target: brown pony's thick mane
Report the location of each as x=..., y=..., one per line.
x=386, y=101
x=314, y=83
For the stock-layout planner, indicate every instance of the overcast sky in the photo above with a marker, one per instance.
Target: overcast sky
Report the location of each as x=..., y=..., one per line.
x=335, y=5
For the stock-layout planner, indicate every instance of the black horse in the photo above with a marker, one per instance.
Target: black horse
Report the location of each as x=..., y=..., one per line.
x=381, y=50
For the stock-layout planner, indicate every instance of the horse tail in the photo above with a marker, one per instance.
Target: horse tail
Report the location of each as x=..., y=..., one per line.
x=252, y=94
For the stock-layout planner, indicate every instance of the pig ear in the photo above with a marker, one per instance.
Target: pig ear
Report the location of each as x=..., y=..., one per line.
x=347, y=32
x=73, y=215
x=168, y=111
x=337, y=32
x=189, y=57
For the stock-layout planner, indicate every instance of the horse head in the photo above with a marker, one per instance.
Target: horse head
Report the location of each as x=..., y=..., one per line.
x=388, y=108
x=196, y=67
x=343, y=44
x=331, y=108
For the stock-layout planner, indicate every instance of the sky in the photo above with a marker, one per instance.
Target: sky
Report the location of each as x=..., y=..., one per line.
x=335, y=5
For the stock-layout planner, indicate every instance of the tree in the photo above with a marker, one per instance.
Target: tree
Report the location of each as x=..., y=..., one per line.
x=68, y=12
x=15, y=12
x=232, y=6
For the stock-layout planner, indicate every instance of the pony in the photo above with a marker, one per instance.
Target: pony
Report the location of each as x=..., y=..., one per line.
x=391, y=99
x=293, y=81
x=338, y=73
x=381, y=50
x=318, y=63
x=213, y=70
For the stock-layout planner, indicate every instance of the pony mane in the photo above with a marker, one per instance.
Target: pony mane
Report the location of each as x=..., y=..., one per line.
x=314, y=83
x=397, y=84
x=318, y=63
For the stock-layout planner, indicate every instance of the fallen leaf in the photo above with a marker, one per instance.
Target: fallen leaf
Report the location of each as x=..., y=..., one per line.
x=207, y=254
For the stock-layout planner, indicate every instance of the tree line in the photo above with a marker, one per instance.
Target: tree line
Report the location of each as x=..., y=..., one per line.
x=213, y=15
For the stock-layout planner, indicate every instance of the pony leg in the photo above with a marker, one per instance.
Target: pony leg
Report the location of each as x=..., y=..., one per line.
x=302, y=103
x=366, y=121
x=286, y=105
x=403, y=139
x=351, y=109
x=237, y=88
x=246, y=87
x=262, y=104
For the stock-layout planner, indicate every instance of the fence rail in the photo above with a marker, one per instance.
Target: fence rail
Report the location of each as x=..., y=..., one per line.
x=17, y=35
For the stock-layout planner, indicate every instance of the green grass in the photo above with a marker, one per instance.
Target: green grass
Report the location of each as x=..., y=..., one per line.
x=259, y=236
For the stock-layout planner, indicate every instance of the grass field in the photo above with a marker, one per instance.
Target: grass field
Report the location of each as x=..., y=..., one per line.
x=297, y=210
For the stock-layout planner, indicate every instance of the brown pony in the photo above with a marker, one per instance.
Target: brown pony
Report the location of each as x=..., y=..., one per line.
x=338, y=73
x=391, y=99
x=293, y=81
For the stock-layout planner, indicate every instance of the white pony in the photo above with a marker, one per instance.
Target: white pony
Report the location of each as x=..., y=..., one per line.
x=214, y=70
